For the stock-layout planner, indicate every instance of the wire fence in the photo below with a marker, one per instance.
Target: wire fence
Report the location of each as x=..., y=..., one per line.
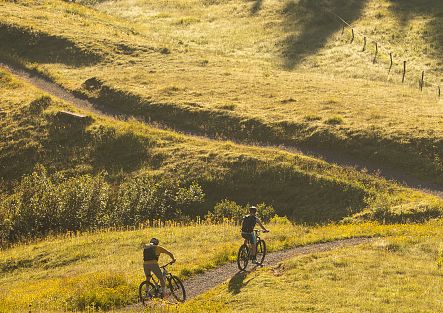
x=379, y=48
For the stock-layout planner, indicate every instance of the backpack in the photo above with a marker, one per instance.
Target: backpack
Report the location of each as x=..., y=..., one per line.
x=149, y=253
x=248, y=223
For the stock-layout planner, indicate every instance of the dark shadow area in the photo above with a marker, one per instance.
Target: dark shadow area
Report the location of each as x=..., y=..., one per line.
x=430, y=9
x=256, y=6
x=308, y=26
x=115, y=151
x=302, y=197
x=43, y=48
x=237, y=282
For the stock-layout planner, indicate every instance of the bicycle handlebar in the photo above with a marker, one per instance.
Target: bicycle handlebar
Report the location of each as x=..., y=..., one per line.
x=169, y=263
x=261, y=231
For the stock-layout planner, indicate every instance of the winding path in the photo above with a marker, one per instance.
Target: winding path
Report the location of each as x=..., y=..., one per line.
x=326, y=155
x=202, y=283
x=208, y=280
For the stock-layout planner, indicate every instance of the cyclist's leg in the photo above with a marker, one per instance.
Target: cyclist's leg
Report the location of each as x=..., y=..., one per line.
x=148, y=272
x=158, y=272
x=253, y=245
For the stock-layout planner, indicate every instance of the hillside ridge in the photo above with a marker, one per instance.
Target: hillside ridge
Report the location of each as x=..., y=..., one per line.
x=329, y=156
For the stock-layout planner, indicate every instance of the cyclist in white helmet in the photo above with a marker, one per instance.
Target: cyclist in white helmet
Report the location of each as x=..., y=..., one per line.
x=247, y=230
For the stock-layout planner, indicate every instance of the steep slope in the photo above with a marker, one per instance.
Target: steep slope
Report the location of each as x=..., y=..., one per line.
x=139, y=66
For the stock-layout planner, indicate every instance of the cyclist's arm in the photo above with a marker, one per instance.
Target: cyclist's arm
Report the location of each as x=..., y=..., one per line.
x=163, y=250
x=261, y=225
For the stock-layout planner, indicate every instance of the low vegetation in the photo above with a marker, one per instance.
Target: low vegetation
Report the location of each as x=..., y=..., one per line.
x=188, y=77
x=92, y=172
x=103, y=269
x=385, y=275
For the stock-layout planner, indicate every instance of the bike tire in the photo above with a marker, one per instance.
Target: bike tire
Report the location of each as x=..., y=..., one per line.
x=261, y=251
x=177, y=289
x=146, y=291
x=243, y=257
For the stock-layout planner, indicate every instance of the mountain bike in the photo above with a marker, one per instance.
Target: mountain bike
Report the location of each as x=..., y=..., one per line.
x=150, y=289
x=244, y=253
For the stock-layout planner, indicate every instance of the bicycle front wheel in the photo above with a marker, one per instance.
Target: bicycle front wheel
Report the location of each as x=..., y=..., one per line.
x=243, y=257
x=261, y=251
x=146, y=291
x=177, y=289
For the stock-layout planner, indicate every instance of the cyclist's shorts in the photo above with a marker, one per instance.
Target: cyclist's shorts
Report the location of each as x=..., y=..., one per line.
x=152, y=268
x=250, y=237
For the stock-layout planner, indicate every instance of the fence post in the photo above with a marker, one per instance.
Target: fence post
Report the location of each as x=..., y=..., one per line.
x=392, y=62
x=353, y=35
x=439, y=91
x=364, y=44
x=343, y=30
x=404, y=71
x=422, y=81
x=376, y=53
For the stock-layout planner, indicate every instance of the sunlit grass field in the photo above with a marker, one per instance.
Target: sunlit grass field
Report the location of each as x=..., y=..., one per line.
x=104, y=268
x=264, y=72
x=254, y=72
x=401, y=273
x=303, y=188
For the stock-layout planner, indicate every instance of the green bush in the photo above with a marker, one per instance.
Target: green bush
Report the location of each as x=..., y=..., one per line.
x=227, y=209
x=44, y=204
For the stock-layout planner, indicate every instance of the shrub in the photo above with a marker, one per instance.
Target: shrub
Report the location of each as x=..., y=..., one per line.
x=265, y=212
x=43, y=204
x=227, y=209
x=335, y=120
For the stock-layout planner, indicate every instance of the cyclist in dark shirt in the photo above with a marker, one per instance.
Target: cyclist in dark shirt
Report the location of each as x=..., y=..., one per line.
x=151, y=254
x=247, y=230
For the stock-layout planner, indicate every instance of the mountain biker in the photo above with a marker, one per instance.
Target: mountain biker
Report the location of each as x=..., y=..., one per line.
x=151, y=254
x=247, y=230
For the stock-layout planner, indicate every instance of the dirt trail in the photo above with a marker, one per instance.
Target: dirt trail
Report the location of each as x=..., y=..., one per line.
x=202, y=283
x=331, y=157
x=208, y=280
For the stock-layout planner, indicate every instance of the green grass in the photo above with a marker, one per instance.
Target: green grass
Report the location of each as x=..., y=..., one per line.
x=104, y=268
x=303, y=188
x=218, y=69
x=393, y=274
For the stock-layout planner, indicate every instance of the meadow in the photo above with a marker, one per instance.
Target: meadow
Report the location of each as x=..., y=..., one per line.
x=101, y=270
x=385, y=275
x=206, y=106
x=219, y=69
x=64, y=173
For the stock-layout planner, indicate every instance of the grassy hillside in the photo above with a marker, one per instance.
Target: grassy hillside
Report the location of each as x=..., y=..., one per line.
x=98, y=172
x=104, y=269
x=395, y=274
x=218, y=69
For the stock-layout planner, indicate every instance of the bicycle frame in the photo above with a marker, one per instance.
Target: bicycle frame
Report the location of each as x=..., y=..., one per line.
x=257, y=237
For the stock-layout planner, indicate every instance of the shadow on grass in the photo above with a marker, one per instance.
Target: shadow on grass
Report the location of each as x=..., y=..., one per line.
x=432, y=10
x=308, y=26
x=237, y=282
x=256, y=7
x=40, y=47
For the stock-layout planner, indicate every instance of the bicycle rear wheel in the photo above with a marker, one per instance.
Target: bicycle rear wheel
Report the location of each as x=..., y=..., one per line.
x=177, y=288
x=146, y=291
x=243, y=257
x=261, y=251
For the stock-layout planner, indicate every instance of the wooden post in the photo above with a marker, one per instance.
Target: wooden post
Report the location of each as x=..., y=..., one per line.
x=422, y=81
x=392, y=62
x=353, y=35
x=404, y=72
x=439, y=91
x=376, y=53
x=364, y=44
x=343, y=30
